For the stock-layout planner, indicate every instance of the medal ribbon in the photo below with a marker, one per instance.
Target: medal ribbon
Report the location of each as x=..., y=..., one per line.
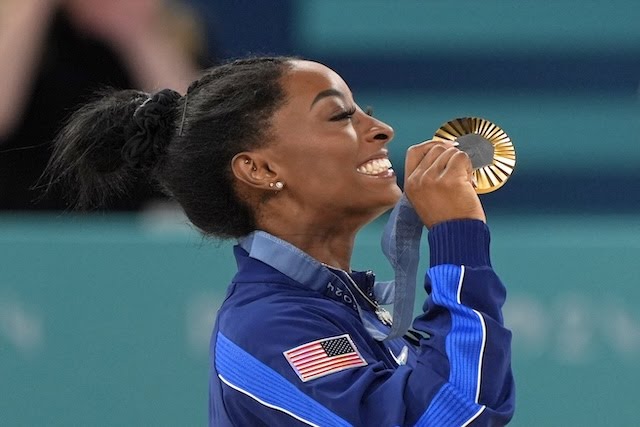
x=401, y=245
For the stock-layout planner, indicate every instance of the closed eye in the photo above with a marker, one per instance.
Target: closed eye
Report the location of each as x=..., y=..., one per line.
x=343, y=115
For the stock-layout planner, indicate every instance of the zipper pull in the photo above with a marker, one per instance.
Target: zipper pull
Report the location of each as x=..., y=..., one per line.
x=384, y=316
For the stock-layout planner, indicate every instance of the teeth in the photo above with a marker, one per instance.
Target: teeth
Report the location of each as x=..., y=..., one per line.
x=375, y=167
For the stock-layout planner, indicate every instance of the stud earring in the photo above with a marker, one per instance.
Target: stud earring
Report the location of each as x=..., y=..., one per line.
x=247, y=161
x=278, y=185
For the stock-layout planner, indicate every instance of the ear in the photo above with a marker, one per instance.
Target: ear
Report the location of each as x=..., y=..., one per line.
x=254, y=169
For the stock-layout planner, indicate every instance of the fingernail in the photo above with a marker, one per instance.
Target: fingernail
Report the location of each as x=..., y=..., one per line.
x=446, y=141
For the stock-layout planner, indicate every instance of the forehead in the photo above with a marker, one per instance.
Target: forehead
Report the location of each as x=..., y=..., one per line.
x=305, y=79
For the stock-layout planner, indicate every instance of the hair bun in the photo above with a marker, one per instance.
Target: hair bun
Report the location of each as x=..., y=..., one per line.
x=151, y=130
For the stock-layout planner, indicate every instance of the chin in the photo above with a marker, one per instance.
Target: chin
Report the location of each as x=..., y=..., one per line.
x=371, y=207
x=390, y=200
x=394, y=195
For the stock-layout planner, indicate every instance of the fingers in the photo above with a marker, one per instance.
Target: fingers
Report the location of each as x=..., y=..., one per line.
x=460, y=161
x=439, y=185
x=441, y=160
x=417, y=153
x=438, y=161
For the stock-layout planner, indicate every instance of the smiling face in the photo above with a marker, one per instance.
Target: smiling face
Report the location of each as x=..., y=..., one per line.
x=331, y=155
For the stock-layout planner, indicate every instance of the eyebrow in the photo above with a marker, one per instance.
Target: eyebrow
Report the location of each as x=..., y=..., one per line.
x=326, y=93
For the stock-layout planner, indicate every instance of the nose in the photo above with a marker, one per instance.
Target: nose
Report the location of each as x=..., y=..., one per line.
x=378, y=131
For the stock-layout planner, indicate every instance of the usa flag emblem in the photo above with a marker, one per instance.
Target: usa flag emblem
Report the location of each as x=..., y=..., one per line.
x=323, y=357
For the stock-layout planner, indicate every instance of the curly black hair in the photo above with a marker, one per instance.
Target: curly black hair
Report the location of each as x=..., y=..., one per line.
x=184, y=144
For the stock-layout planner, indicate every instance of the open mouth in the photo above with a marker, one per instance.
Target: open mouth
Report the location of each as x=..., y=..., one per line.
x=375, y=167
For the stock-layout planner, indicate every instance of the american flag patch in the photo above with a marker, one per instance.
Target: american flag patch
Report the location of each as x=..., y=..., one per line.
x=323, y=357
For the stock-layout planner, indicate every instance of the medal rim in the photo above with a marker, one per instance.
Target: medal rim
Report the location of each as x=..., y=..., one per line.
x=494, y=134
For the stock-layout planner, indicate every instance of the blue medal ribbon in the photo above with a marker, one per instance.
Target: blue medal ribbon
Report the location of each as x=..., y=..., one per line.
x=401, y=245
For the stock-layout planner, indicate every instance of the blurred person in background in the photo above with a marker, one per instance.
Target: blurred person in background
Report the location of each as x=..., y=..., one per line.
x=275, y=152
x=57, y=53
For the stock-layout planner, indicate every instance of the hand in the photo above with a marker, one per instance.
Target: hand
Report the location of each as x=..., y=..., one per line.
x=438, y=182
x=12, y=9
x=116, y=21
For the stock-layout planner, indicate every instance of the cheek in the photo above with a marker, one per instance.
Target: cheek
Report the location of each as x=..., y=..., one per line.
x=323, y=154
x=321, y=166
x=313, y=152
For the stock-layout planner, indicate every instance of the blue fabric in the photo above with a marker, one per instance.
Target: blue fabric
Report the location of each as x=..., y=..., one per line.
x=401, y=246
x=449, y=409
x=306, y=270
x=247, y=373
x=267, y=312
x=287, y=259
x=457, y=401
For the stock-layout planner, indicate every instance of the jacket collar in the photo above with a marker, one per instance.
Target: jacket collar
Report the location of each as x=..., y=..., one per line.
x=400, y=242
x=287, y=259
x=306, y=271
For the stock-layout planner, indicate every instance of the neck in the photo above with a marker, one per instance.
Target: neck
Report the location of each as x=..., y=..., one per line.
x=328, y=241
x=327, y=246
x=326, y=233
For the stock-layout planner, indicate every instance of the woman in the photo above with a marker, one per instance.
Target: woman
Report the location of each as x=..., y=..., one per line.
x=275, y=152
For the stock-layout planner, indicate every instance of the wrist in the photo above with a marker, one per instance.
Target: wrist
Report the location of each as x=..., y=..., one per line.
x=459, y=242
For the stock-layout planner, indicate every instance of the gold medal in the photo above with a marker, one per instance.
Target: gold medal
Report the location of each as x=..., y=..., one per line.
x=490, y=149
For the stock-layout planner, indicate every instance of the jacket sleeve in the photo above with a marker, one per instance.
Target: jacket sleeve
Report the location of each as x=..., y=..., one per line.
x=462, y=375
x=464, y=319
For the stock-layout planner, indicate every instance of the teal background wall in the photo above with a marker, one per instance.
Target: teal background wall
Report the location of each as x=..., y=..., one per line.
x=105, y=319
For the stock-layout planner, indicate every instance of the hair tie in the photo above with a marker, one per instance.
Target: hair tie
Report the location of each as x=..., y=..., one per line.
x=152, y=128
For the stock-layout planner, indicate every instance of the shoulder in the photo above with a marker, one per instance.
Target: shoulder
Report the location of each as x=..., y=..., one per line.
x=277, y=308
x=274, y=318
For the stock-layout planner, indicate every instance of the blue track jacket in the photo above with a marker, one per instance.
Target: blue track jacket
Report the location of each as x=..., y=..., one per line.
x=290, y=347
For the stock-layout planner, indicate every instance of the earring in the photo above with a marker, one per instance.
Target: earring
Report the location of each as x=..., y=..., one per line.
x=253, y=167
x=278, y=185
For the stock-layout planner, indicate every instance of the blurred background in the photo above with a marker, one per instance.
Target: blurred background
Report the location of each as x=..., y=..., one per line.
x=105, y=318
